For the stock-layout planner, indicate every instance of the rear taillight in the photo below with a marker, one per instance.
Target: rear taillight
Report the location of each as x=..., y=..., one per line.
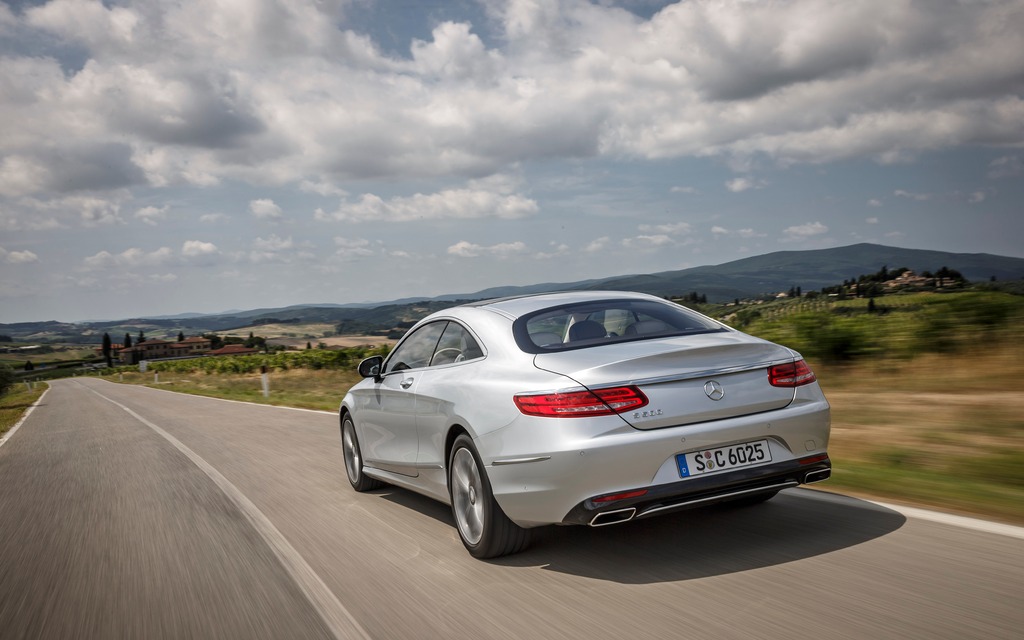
x=582, y=404
x=793, y=374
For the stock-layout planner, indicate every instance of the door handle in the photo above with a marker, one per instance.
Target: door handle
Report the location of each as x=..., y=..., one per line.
x=405, y=384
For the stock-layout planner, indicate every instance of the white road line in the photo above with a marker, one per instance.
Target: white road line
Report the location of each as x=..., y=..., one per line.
x=10, y=432
x=963, y=522
x=334, y=614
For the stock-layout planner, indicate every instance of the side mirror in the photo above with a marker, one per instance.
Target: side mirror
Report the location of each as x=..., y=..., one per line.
x=370, y=368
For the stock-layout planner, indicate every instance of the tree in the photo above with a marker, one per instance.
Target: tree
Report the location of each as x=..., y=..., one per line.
x=142, y=337
x=107, y=347
x=216, y=342
x=127, y=341
x=181, y=336
x=309, y=345
x=29, y=366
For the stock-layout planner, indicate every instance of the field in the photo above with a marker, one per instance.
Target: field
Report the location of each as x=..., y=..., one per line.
x=945, y=431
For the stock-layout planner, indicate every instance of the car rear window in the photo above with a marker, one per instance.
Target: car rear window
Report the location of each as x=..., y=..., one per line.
x=606, y=321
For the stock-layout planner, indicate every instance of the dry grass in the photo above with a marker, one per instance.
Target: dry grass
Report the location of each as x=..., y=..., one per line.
x=303, y=388
x=16, y=402
x=947, y=430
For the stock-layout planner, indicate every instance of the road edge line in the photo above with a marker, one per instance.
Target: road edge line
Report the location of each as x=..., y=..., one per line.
x=338, y=620
x=17, y=425
x=962, y=522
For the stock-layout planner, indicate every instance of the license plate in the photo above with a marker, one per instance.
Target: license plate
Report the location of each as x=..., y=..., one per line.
x=723, y=458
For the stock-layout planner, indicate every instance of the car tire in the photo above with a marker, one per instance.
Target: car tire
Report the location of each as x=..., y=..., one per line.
x=484, y=528
x=354, y=458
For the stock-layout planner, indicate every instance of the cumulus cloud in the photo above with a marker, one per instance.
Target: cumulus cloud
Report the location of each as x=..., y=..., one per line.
x=275, y=249
x=352, y=247
x=464, y=249
x=805, y=231
x=151, y=215
x=738, y=185
x=874, y=202
x=648, y=242
x=294, y=95
x=129, y=258
x=265, y=209
x=17, y=257
x=452, y=203
x=672, y=228
x=198, y=249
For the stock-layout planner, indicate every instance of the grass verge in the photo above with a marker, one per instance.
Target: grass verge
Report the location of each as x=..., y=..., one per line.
x=16, y=402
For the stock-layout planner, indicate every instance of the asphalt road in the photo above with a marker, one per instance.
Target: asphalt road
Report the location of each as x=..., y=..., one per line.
x=128, y=512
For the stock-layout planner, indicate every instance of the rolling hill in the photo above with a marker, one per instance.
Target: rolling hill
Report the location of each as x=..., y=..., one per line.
x=745, y=278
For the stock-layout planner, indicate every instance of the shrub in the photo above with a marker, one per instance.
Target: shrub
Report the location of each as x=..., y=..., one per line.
x=6, y=378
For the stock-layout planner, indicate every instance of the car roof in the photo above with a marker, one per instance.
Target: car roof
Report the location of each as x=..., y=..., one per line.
x=518, y=306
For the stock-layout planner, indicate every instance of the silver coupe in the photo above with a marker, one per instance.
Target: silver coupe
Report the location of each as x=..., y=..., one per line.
x=590, y=408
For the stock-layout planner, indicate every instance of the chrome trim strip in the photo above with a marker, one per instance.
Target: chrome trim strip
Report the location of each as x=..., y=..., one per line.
x=707, y=373
x=734, y=494
x=498, y=463
x=696, y=375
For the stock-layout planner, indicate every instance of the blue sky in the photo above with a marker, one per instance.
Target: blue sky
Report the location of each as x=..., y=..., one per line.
x=160, y=157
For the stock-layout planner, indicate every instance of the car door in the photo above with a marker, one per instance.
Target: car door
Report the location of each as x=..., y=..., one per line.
x=388, y=433
x=442, y=389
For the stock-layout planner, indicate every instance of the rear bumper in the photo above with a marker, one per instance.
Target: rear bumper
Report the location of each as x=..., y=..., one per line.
x=698, y=492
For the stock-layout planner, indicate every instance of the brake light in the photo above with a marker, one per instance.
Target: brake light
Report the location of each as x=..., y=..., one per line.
x=793, y=374
x=582, y=404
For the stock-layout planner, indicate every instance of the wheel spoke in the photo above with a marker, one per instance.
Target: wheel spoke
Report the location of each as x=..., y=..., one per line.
x=467, y=496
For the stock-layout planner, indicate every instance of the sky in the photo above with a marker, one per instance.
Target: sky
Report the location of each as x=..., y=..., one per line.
x=168, y=156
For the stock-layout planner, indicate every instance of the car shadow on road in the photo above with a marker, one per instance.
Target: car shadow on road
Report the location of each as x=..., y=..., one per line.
x=697, y=543
x=713, y=541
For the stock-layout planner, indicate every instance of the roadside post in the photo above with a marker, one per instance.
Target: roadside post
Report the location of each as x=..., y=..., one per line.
x=266, y=380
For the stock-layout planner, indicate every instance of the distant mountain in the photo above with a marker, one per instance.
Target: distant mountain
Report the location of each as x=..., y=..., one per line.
x=779, y=271
x=746, y=278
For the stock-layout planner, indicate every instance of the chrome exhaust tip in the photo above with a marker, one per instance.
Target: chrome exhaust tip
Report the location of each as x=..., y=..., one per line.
x=817, y=476
x=613, y=517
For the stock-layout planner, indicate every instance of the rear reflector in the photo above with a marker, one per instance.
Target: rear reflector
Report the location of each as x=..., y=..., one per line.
x=621, y=496
x=814, y=459
x=582, y=404
x=794, y=374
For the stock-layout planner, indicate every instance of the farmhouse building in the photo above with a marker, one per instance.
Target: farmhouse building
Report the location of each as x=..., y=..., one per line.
x=154, y=349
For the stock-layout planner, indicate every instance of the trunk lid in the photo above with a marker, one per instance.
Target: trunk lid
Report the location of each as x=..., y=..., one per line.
x=688, y=379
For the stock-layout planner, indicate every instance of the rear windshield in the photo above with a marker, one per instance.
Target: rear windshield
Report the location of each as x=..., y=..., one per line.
x=606, y=321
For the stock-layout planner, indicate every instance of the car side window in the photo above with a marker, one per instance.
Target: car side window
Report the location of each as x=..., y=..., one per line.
x=416, y=350
x=456, y=345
